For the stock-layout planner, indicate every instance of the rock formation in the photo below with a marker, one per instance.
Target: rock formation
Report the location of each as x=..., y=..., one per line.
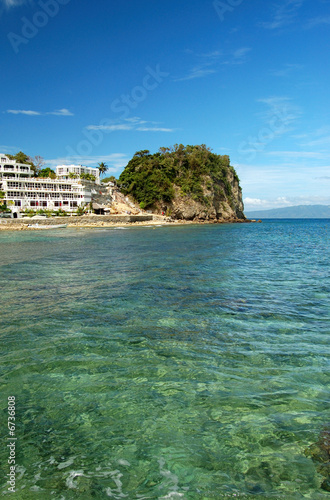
x=190, y=183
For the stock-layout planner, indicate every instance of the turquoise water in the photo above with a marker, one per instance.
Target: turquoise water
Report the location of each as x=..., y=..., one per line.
x=185, y=362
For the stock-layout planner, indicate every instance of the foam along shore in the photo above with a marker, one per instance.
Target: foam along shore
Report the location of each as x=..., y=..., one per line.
x=90, y=221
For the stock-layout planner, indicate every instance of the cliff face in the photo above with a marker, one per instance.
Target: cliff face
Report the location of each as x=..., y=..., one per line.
x=217, y=204
x=185, y=182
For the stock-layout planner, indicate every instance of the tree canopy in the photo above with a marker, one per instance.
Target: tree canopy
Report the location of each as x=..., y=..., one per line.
x=151, y=178
x=87, y=177
x=20, y=157
x=102, y=168
x=112, y=178
x=47, y=172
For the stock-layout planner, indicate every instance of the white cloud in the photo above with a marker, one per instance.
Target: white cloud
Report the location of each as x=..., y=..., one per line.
x=212, y=55
x=23, y=112
x=203, y=68
x=315, y=138
x=208, y=62
x=134, y=123
x=154, y=129
x=197, y=72
x=287, y=70
x=280, y=107
x=283, y=201
x=135, y=119
x=254, y=202
x=110, y=128
x=283, y=184
x=277, y=119
x=284, y=14
x=318, y=21
x=59, y=112
x=239, y=54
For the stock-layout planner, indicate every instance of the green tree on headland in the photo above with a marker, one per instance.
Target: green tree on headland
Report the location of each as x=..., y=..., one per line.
x=151, y=178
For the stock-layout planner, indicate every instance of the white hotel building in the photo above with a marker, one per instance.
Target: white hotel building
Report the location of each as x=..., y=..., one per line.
x=23, y=191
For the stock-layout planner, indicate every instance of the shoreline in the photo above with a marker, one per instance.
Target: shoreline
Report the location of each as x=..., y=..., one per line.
x=25, y=224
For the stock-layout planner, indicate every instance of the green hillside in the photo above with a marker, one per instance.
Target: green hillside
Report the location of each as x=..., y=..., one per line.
x=151, y=179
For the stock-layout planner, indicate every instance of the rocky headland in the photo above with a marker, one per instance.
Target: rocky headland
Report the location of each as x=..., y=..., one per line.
x=185, y=183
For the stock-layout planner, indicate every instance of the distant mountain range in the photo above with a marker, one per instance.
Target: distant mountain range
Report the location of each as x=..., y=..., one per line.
x=297, y=212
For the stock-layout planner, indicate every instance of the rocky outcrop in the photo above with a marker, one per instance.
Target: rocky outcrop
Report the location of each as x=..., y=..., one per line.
x=320, y=454
x=217, y=203
x=185, y=182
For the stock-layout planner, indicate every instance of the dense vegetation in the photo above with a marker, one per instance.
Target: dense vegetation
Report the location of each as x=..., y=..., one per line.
x=151, y=178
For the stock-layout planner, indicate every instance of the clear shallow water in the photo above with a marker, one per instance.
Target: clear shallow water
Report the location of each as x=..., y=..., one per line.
x=170, y=362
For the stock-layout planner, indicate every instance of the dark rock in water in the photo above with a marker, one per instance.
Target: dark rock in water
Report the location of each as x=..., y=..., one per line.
x=316, y=453
x=326, y=485
x=320, y=454
x=256, y=489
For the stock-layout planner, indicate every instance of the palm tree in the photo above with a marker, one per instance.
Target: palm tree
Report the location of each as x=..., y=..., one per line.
x=102, y=168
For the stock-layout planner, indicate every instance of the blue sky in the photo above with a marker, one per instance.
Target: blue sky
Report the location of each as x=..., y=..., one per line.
x=85, y=82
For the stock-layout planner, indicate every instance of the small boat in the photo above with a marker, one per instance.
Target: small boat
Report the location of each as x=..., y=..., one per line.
x=46, y=226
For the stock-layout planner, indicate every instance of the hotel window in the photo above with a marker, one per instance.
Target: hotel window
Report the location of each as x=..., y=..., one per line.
x=17, y=203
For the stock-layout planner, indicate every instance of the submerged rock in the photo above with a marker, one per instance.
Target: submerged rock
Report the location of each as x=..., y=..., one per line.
x=320, y=454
